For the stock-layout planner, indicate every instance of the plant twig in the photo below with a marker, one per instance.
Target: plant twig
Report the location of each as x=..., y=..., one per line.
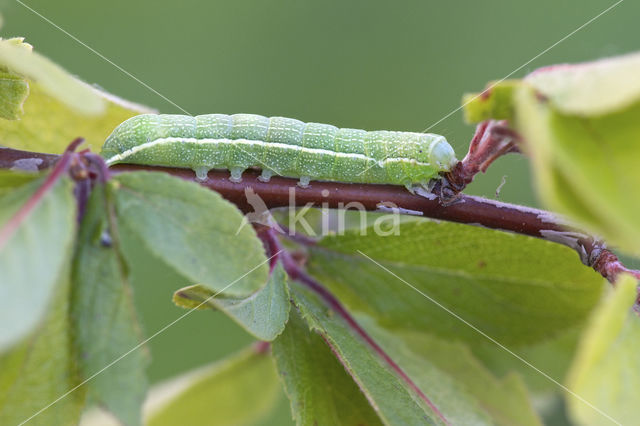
x=14, y=159
x=468, y=209
x=284, y=192
x=492, y=140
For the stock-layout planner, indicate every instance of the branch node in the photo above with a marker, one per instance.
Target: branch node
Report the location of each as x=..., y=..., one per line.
x=492, y=140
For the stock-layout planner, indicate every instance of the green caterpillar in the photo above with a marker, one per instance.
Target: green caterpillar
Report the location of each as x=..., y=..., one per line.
x=279, y=146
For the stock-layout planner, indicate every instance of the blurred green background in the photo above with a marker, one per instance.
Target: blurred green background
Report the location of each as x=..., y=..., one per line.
x=375, y=64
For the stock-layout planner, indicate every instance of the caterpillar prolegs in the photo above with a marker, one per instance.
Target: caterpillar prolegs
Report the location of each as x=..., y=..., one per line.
x=279, y=146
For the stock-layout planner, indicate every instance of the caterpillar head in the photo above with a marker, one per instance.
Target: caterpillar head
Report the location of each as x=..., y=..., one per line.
x=441, y=155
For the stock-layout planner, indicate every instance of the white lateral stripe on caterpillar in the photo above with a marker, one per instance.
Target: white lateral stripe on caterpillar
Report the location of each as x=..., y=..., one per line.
x=246, y=142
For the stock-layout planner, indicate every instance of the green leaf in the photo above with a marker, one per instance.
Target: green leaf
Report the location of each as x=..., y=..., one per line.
x=496, y=102
x=196, y=297
x=580, y=125
x=393, y=398
x=14, y=91
x=39, y=371
x=33, y=254
x=591, y=88
x=14, y=88
x=59, y=107
x=586, y=167
x=238, y=391
x=263, y=314
x=489, y=278
x=193, y=230
x=19, y=58
x=505, y=400
x=587, y=89
x=12, y=179
x=104, y=317
x=606, y=372
x=319, y=389
x=552, y=357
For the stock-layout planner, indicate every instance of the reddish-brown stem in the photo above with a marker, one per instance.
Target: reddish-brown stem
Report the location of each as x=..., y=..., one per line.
x=98, y=166
x=610, y=266
x=284, y=192
x=261, y=347
x=298, y=238
x=296, y=273
x=14, y=159
x=82, y=191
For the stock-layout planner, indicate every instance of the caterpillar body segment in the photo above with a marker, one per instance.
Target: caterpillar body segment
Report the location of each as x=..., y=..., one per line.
x=279, y=146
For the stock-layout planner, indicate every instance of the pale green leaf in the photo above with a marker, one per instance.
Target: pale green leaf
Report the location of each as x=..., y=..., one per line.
x=552, y=357
x=196, y=297
x=59, y=107
x=193, y=230
x=580, y=124
x=19, y=58
x=14, y=90
x=104, y=318
x=587, y=89
x=586, y=167
x=392, y=397
x=319, y=389
x=592, y=88
x=263, y=314
x=13, y=87
x=42, y=368
x=606, y=370
x=505, y=400
x=491, y=279
x=33, y=256
x=49, y=126
x=238, y=391
x=12, y=179
x=496, y=102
